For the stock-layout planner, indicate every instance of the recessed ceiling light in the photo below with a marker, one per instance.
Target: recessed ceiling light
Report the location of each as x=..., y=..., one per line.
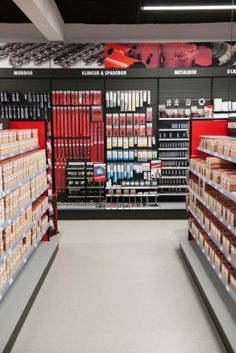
x=188, y=8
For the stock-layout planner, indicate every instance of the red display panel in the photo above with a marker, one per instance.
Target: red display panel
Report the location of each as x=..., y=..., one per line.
x=206, y=127
x=40, y=125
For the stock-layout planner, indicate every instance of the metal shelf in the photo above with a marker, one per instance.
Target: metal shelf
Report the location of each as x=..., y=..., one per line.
x=174, y=139
x=22, y=183
x=207, y=118
x=23, y=208
x=217, y=243
x=173, y=149
x=10, y=155
x=230, y=195
x=219, y=218
x=225, y=284
x=174, y=129
x=174, y=167
x=222, y=156
x=14, y=246
x=132, y=187
x=173, y=194
x=222, y=115
x=22, y=264
x=173, y=186
x=129, y=195
x=141, y=208
x=171, y=119
x=173, y=177
x=171, y=158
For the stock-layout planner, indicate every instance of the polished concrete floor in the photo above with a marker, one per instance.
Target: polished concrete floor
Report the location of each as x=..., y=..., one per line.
x=118, y=287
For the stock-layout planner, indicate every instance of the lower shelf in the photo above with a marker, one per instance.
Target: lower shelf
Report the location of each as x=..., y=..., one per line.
x=10, y=281
x=218, y=301
x=15, y=306
x=162, y=210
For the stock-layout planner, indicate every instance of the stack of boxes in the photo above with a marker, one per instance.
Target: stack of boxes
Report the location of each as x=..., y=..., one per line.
x=218, y=260
x=211, y=201
x=23, y=204
x=15, y=141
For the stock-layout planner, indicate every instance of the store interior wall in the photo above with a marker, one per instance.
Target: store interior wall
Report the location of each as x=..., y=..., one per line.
x=207, y=32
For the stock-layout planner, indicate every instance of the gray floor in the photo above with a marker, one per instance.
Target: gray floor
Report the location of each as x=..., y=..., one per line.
x=118, y=287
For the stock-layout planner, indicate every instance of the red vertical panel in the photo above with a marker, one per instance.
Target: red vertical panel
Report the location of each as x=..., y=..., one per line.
x=206, y=127
x=40, y=125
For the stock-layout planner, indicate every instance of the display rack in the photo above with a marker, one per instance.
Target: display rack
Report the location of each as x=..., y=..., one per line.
x=20, y=96
x=212, y=231
x=22, y=231
x=210, y=248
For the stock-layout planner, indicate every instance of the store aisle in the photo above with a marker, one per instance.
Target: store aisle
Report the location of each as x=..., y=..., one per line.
x=118, y=287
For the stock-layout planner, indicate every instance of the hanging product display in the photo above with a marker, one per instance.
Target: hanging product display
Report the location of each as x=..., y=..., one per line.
x=78, y=130
x=131, y=147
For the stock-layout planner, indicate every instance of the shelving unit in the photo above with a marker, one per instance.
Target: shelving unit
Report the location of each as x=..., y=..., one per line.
x=219, y=245
x=131, y=142
x=10, y=155
x=173, y=149
x=220, y=155
x=17, y=247
x=206, y=251
x=225, y=223
x=11, y=280
x=219, y=275
x=213, y=233
x=230, y=195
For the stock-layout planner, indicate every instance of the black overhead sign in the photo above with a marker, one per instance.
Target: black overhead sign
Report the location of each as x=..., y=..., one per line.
x=118, y=73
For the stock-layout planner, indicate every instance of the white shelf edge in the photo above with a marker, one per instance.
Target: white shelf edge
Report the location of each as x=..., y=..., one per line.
x=173, y=186
x=222, y=156
x=23, y=182
x=219, y=245
x=173, y=177
x=219, y=218
x=10, y=281
x=23, y=208
x=175, y=119
x=173, y=194
x=130, y=195
x=10, y=155
x=175, y=158
x=226, y=285
x=14, y=246
x=174, y=167
x=173, y=149
x=174, y=129
x=173, y=139
x=132, y=187
x=228, y=194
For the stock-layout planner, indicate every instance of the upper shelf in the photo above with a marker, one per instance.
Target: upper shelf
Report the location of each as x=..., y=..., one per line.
x=216, y=154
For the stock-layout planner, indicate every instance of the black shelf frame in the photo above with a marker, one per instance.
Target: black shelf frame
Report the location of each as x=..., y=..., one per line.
x=72, y=79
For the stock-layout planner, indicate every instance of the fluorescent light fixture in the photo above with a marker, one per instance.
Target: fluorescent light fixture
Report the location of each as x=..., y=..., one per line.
x=188, y=8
